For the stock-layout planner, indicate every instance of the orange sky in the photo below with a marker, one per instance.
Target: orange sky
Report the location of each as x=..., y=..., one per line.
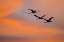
x=15, y=22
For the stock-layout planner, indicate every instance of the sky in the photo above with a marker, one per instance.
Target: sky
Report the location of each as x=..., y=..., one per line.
x=15, y=19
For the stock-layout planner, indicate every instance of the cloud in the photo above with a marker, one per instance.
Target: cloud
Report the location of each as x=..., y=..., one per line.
x=21, y=23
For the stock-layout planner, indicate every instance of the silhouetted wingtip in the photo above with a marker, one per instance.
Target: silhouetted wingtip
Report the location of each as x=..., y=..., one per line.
x=29, y=9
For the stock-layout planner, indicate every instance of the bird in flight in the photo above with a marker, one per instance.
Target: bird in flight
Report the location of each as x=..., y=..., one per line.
x=39, y=17
x=42, y=17
x=47, y=21
x=33, y=11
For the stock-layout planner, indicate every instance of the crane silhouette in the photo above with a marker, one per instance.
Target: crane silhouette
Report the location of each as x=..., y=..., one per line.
x=42, y=17
x=33, y=11
x=47, y=21
x=39, y=17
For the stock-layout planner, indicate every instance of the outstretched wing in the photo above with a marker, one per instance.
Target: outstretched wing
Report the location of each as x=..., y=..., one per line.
x=29, y=9
x=51, y=18
x=43, y=16
x=35, y=15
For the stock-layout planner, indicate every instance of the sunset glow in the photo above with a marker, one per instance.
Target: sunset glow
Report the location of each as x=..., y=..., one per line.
x=16, y=22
